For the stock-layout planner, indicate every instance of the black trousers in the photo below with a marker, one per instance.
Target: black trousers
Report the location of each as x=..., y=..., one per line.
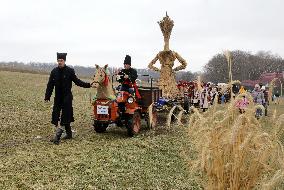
x=126, y=88
x=62, y=111
x=68, y=129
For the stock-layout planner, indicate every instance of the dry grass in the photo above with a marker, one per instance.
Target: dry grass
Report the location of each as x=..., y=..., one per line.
x=237, y=151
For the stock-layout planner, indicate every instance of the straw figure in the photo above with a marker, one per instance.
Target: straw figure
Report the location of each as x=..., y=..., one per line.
x=167, y=81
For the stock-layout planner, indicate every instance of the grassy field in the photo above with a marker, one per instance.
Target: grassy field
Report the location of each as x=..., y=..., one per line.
x=151, y=160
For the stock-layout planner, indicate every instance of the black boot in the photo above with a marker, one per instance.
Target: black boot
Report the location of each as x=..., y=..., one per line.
x=68, y=132
x=57, y=136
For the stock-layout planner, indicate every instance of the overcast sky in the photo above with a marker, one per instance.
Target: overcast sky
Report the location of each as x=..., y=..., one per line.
x=103, y=32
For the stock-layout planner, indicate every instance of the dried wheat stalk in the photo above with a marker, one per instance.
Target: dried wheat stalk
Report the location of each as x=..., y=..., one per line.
x=150, y=114
x=234, y=152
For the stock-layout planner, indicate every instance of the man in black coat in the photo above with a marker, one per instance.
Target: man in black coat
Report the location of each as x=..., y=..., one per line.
x=128, y=76
x=61, y=78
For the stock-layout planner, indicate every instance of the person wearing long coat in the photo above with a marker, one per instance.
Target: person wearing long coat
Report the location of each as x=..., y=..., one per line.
x=61, y=79
x=204, y=103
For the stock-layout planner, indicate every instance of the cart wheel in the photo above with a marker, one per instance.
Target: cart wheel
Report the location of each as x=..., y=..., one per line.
x=174, y=115
x=154, y=123
x=100, y=127
x=134, y=124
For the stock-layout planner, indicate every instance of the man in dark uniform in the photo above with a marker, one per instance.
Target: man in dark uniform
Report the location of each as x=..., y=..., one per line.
x=61, y=78
x=128, y=77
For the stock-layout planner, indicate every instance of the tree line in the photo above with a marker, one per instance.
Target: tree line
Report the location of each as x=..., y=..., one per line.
x=245, y=66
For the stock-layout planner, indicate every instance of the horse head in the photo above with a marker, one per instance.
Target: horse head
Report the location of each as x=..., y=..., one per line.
x=101, y=77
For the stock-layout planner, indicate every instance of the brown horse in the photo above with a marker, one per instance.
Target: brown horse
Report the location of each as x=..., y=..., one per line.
x=103, y=84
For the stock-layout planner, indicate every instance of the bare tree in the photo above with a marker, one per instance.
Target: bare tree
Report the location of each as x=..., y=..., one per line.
x=245, y=66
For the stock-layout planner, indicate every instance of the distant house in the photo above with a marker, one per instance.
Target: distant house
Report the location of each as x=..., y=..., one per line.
x=264, y=79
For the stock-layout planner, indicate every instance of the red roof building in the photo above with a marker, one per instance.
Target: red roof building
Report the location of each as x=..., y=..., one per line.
x=265, y=79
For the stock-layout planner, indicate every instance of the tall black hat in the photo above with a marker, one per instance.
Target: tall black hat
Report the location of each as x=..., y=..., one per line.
x=61, y=56
x=127, y=60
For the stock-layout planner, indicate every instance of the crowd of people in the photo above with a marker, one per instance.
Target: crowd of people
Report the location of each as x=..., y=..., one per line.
x=201, y=95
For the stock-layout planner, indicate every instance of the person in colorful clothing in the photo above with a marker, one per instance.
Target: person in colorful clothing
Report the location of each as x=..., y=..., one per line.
x=243, y=102
x=242, y=90
x=258, y=98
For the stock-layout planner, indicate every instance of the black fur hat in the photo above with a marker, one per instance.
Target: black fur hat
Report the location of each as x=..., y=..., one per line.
x=61, y=56
x=127, y=60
